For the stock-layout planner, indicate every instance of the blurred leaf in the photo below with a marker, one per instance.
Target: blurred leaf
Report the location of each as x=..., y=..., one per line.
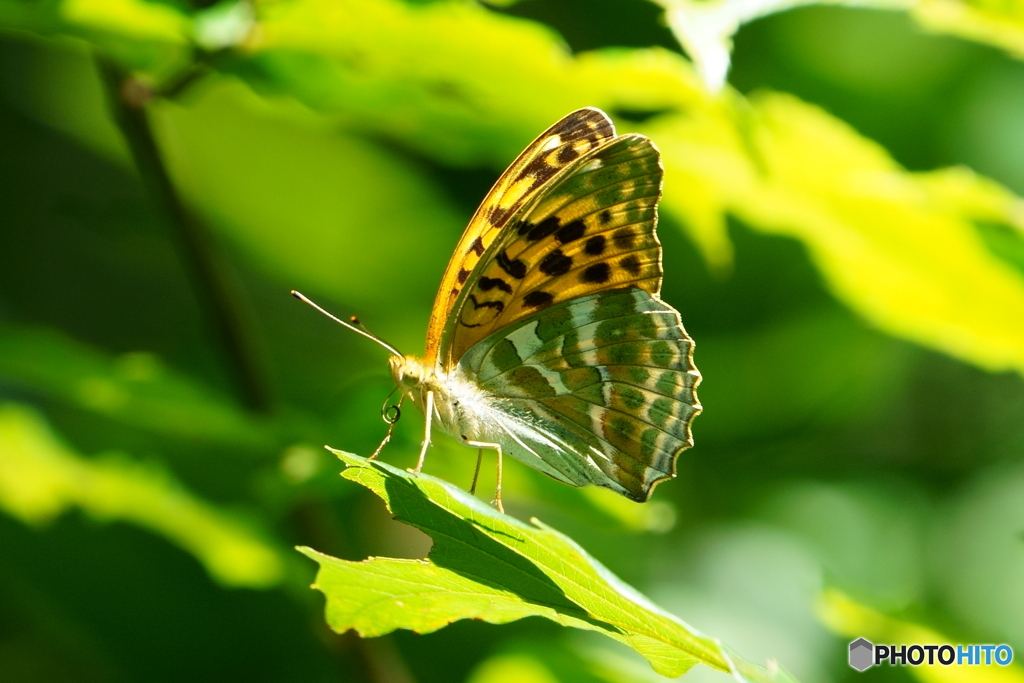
x=133, y=388
x=899, y=248
x=852, y=620
x=224, y=24
x=519, y=667
x=992, y=22
x=836, y=372
x=575, y=662
x=40, y=478
x=750, y=583
x=142, y=35
x=977, y=546
x=867, y=537
x=705, y=27
x=489, y=566
x=438, y=77
x=138, y=19
x=316, y=208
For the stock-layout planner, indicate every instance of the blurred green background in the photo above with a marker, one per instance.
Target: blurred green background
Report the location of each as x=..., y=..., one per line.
x=858, y=309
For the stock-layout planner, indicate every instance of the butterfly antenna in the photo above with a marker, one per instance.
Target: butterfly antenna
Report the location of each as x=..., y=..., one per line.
x=356, y=326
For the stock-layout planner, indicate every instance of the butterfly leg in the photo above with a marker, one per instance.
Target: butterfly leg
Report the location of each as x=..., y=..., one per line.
x=429, y=412
x=497, y=491
x=476, y=473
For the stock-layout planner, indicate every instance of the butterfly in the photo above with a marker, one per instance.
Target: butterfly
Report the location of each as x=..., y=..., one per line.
x=548, y=340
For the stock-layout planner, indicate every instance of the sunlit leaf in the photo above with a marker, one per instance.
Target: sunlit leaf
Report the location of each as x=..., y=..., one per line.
x=314, y=207
x=40, y=478
x=147, y=21
x=1000, y=24
x=899, y=248
x=134, y=388
x=142, y=35
x=399, y=70
x=489, y=566
x=576, y=662
x=705, y=28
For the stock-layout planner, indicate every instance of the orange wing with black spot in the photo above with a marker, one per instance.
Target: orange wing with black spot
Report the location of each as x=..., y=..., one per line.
x=545, y=160
x=591, y=228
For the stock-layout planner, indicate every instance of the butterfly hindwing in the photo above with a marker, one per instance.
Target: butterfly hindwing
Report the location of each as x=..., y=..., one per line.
x=591, y=230
x=540, y=164
x=597, y=389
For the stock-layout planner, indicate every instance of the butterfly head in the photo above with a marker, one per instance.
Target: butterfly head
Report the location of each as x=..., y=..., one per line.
x=410, y=373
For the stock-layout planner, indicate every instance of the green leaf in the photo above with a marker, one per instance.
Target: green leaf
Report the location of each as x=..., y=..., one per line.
x=133, y=388
x=999, y=24
x=705, y=28
x=900, y=248
x=151, y=36
x=438, y=76
x=536, y=661
x=489, y=566
x=316, y=208
x=40, y=478
x=144, y=21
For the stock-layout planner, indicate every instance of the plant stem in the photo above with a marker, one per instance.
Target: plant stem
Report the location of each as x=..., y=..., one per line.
x=127, y=98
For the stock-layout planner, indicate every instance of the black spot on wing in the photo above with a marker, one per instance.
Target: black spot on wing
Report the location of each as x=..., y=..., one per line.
x=516, y=268
x=571, y=231
x=477, y=247
x=585, y=123
x=497, y=214
x=488, y=283
x=542, y=229
x=605, y=217
x=496, y=305
x=556, y=263
x=477, y=305
x=539, y=171
x=631, y=264
x=595, y=245
x=597, y=273
x=624, y=238
x=567, y=154
x=538, y=299
x=463, y=274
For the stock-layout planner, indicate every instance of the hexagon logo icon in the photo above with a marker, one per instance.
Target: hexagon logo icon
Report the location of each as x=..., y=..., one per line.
x=862, y=654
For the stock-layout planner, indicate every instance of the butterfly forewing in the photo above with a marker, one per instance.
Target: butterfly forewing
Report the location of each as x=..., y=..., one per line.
x=554, y=151
x=598, y=389
x=591, y=230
